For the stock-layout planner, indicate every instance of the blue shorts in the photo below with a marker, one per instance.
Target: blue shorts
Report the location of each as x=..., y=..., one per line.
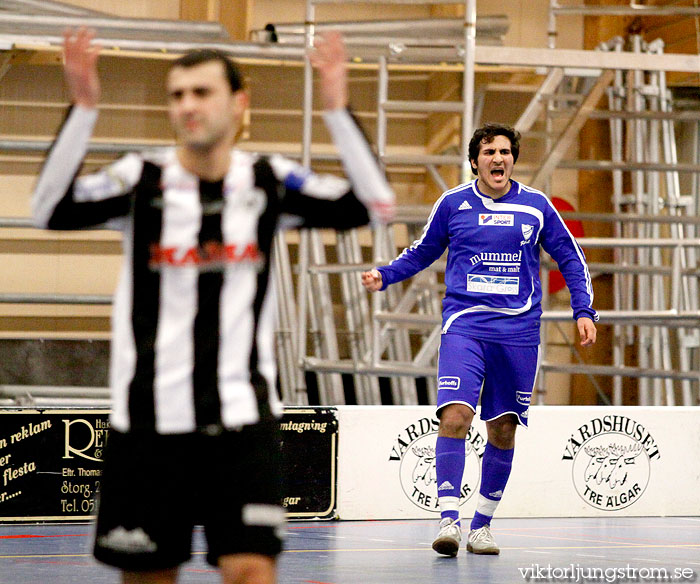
x=507, y=373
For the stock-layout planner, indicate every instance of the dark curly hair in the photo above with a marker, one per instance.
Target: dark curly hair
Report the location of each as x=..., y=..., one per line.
x=486, y=134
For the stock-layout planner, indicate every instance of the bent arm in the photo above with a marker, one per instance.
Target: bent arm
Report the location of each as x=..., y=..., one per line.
x=372, y=280
x=422, y=252
x=313, y=200
x=558, y=242
x=369, y=184
x=61, y=201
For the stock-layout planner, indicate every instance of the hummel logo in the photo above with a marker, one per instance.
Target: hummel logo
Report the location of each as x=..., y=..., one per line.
x=445, y=486
x=497, y=495
x=464, y=206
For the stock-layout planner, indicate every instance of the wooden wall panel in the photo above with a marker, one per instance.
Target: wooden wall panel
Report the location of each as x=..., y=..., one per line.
x=161, y=9
x=265, y=11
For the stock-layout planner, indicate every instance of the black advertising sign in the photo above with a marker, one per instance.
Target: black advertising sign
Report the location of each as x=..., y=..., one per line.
x=309, y=462
x=51, y=462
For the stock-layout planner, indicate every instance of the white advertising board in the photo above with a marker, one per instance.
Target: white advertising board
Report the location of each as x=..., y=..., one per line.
x=573, y=461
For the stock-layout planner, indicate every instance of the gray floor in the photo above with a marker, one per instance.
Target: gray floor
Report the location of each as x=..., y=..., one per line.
x=381, y=552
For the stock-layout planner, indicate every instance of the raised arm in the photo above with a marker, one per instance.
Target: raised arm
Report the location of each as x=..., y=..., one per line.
x=369, y=183
x=60, y=200
x=329, y=58
x=80, y=67
x=419, y=255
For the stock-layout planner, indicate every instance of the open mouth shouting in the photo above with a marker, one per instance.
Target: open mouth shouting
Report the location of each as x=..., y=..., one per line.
x=498, y=178
x=494, y=165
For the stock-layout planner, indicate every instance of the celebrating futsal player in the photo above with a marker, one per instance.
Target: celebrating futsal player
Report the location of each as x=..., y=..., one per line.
x=493, y=229
x=193, y=436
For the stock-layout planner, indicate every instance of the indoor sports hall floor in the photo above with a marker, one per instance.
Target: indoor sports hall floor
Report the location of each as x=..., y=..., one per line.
x=382, y=552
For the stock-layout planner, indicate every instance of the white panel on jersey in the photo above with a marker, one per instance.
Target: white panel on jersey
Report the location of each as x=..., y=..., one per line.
x=266, y=346
x=492, y=205
x=243, y=206
x=123, y=360
x=116, y=179
x=325, y=186
x=238, y=401
x=483, y=308
x=178, y=305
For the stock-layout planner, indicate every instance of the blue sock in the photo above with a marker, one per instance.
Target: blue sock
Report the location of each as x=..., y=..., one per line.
x=449, y=468
x=495, y=470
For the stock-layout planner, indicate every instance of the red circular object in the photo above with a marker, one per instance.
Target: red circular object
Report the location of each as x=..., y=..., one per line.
x=556, y=280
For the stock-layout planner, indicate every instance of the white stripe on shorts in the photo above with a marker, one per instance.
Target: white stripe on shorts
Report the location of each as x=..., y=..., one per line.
x=259, y=514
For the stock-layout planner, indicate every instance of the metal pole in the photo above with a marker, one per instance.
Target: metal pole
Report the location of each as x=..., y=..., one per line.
x=303, y=261
x=382, y=98
x=621, y=282
x=302, y=310
x=637, y=138
x=468, y=84
x=658, y=349
x=363, y=317
x=552, y=25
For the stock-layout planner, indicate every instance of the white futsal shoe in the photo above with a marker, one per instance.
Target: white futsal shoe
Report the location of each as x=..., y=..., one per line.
x=480, y=541
x=448, y=538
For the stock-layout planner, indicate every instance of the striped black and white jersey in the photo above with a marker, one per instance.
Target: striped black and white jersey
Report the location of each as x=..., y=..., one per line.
x=194, y=310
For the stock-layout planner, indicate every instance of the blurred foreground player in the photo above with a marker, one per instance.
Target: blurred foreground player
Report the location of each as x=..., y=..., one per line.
x=193, y=436
x=493, y=229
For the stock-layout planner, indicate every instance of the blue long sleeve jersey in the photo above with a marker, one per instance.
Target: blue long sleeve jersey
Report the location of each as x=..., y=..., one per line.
x=492, y=276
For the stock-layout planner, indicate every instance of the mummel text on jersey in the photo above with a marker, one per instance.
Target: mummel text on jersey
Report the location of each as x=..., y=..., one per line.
x=492, y=275
x=197, y=265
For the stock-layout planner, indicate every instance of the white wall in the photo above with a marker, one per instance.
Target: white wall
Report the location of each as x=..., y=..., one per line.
x=571, y=462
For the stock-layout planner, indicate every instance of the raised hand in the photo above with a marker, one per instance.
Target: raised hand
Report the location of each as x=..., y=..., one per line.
x=330, y=60
x=80, y=66
x=372, y=280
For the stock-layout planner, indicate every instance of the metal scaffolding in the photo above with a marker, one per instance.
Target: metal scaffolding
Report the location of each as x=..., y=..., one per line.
x=395, y=334
x=666, y=302
x=655, y=193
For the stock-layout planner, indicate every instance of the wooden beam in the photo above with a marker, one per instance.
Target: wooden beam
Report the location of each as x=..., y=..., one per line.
x=26, y=56
x=233, y=14
x=194, y=9
x=5, y=63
